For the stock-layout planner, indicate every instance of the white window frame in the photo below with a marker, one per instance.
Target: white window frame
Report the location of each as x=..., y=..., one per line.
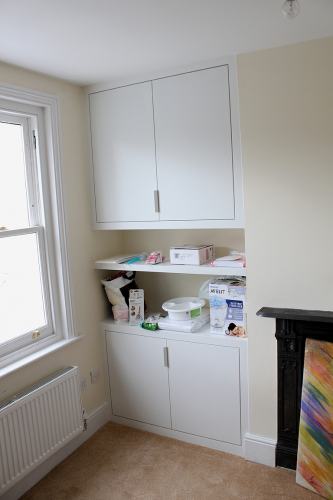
x=39, y=116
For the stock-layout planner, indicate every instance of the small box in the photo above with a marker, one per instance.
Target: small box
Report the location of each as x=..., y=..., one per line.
x=136, y=306
x=194, y=255
x=227, y=305
x=218, y=304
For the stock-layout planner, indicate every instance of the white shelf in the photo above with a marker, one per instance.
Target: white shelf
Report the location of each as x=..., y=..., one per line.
x=203, y=336
x=166, y=267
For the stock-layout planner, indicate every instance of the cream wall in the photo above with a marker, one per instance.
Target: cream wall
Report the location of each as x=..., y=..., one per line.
x=286, y=108
x=286, y=114
x=286, y=105
x=84, y=245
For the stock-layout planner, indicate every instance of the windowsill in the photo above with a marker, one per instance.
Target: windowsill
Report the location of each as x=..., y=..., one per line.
x=31, y=358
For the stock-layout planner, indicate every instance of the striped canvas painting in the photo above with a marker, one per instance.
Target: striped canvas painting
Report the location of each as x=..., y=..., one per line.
x=315, y=445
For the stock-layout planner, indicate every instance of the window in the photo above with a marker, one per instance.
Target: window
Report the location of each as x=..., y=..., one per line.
x=34, y=312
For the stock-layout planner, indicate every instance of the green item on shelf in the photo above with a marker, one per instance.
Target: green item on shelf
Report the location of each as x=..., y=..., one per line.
x=195, y=313
x=149, y=326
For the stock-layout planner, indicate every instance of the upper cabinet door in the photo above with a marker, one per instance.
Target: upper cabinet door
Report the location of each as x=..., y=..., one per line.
x=123, y=152
x=194, y=145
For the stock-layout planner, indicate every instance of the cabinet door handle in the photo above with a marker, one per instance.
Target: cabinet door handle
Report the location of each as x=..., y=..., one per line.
x=157, y=200
x=166, y=356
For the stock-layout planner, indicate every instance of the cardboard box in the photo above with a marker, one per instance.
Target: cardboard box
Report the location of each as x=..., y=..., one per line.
x=194, y=255
x=227, y=299
x=136, y=306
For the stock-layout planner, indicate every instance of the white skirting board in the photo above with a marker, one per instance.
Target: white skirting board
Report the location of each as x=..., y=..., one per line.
x=255, y=448
x=259, y=449
x=95, y=421
x=181, y=436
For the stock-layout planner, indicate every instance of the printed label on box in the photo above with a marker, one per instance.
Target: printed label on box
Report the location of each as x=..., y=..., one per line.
x=227, y=310
x=136, y=306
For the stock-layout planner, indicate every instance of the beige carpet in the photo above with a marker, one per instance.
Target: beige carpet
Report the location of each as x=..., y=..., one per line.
x=120, y=463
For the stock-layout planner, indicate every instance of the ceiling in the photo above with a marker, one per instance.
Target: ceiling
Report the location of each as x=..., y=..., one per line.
x=91, y=41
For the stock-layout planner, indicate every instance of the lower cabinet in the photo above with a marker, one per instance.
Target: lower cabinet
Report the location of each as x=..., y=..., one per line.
x=188, y=387
x=139, y=378
x=205, y=390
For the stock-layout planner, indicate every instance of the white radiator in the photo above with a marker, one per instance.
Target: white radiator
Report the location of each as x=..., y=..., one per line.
x=37, y=422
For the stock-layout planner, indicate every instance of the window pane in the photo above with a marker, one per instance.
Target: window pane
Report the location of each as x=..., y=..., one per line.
x=21, y=292
x=13, y=193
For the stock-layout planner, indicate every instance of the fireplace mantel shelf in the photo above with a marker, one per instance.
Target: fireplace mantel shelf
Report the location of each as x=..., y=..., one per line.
x=296, y=314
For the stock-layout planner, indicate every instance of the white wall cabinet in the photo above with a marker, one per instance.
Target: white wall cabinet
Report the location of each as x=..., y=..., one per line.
x=205, y=390
x=123, y=151
x=165, y=153
x=193, y=146
x=139, y=378
x=179, y=385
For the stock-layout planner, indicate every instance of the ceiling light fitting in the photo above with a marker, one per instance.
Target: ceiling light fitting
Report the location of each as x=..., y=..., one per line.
x=291, y=8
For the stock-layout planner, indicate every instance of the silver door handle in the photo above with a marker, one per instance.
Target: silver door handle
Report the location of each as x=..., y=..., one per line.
x=166, y=356
x=157, y=201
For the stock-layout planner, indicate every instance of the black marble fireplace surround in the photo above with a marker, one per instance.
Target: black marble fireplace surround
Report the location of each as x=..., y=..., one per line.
x=293, y=327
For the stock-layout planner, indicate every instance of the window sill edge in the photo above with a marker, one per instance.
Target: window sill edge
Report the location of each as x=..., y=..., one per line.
x=36, y=356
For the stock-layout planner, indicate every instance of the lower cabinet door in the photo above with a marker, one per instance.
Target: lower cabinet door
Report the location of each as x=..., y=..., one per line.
x=205, y=390
x=139, y=378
